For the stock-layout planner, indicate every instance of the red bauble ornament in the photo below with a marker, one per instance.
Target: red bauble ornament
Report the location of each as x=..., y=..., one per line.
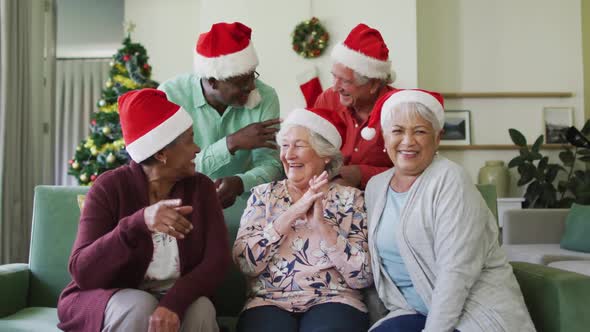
x=93, y=177
x=146, y=66
x=93, y=122
x=71, y=161
x=126, y=57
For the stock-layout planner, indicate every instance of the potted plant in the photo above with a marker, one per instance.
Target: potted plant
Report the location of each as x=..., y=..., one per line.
x=544, y=190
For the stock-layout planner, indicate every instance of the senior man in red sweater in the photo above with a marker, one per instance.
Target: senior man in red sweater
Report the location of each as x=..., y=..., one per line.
x=152, y=244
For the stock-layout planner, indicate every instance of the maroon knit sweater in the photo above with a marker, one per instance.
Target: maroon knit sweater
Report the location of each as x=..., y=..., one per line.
x=113, y=247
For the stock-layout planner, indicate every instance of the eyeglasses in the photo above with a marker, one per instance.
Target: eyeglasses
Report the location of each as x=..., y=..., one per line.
x=244, y=82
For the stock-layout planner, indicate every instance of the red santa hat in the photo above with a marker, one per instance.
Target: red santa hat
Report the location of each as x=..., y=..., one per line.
x=324, y=122
x=150, y=122
x=365, y=52
x=225, y=51
x=382, y=114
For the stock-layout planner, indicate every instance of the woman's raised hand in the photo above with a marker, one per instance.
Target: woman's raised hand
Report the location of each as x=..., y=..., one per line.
x=167, y=216
x=314, y=193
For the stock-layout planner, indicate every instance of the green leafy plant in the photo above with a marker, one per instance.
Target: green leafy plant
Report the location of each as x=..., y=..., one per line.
x=541, y=176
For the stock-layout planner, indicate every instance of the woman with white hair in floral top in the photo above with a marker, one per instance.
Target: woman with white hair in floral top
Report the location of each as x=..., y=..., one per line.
x=302, y=241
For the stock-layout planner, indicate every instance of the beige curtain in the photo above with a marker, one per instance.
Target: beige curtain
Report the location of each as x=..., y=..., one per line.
x=27, y=60
x=79, y=83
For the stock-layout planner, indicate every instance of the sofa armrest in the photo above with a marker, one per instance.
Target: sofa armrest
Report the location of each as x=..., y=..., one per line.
x=14, y=288
x=530, y=226
x=556, y=299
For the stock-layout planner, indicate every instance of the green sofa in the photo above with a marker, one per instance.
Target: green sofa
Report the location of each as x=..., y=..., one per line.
x=557, y=300
x=29, y=292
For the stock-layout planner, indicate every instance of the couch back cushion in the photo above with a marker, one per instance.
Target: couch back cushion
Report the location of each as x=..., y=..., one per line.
x=577, y=229
x=55, y=222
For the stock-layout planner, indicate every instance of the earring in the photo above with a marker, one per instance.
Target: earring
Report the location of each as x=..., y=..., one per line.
x=164, y=161
x=384, y=150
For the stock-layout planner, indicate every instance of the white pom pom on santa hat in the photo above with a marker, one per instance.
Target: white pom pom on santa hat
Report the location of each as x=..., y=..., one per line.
x=368, y=133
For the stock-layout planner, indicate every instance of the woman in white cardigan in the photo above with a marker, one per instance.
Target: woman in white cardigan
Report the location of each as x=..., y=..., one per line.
x=434, y=246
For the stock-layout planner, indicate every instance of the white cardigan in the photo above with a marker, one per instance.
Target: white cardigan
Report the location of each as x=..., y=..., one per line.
x=448, y=239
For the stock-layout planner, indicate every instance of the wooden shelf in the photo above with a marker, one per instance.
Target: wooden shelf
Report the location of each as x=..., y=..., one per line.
x=456, y=95
x=498, y=147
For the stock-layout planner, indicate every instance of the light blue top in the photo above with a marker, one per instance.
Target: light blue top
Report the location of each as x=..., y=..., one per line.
x=389, y=253
x=254, y=167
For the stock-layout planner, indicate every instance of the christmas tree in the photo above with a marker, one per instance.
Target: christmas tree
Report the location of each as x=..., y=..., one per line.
x=104, y=148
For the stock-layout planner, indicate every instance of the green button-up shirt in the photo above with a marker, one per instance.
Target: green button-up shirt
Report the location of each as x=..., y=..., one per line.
x=254, y=167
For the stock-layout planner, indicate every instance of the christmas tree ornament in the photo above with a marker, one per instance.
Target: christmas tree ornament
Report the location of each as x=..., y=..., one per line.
x=83, y=177
x=111, y=63
x=71, y=161
x=109, y=84
x=111, y=158
x=126, y=57
x=102, y=103
x=93, y=122
x=106, y=130
x=94, y=151
x=75, y=165
x=93, y=177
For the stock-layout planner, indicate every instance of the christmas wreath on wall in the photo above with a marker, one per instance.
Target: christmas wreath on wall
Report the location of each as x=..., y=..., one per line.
x=310, y=38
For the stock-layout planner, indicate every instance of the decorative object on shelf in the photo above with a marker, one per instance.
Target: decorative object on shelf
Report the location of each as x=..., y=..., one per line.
x=457, y=128
x=540, y=176
x=556, y=121
x=310, y=38
x=496, y=173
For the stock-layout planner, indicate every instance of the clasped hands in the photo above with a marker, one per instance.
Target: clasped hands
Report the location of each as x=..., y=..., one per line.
x=309, y=207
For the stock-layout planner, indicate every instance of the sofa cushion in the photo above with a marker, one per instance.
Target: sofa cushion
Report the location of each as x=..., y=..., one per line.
x=31, y=319
x=541, y=253
x=578, y=266
x=577, y=229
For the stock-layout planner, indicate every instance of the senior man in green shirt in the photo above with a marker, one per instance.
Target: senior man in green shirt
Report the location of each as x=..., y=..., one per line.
x=234, y=114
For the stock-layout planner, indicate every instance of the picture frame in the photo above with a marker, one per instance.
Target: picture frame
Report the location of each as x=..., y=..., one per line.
x=556, y=121
x=457, y=128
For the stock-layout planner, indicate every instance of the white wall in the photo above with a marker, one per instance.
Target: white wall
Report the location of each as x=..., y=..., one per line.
x=169, y=32
x=89, y=28
x=501, y=46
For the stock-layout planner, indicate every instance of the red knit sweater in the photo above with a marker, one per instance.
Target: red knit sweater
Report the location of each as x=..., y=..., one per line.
x=113, y=247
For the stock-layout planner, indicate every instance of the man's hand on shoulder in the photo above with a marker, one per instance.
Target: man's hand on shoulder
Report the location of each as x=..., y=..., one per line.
x=253, y=136
x=228, y=189
x=350, y=175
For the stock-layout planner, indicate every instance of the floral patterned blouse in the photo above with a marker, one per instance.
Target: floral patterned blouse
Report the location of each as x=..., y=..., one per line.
x=297, y=270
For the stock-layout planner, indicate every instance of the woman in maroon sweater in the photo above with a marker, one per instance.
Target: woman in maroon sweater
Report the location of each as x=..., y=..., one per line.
x=152, y=244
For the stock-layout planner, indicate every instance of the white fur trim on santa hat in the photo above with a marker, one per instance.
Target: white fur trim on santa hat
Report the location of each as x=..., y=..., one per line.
x=157, y=138
x=413, y=96
x=315, y=123
x=226, y=66
x=362, y=64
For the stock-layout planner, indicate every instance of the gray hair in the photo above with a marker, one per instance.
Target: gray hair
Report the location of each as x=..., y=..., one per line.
x=411, y=109
x=321, y=146
x=360, y=79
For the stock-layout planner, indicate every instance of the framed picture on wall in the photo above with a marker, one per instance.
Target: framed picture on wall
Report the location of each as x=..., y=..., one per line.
x=556, y=121
x=457, y=128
